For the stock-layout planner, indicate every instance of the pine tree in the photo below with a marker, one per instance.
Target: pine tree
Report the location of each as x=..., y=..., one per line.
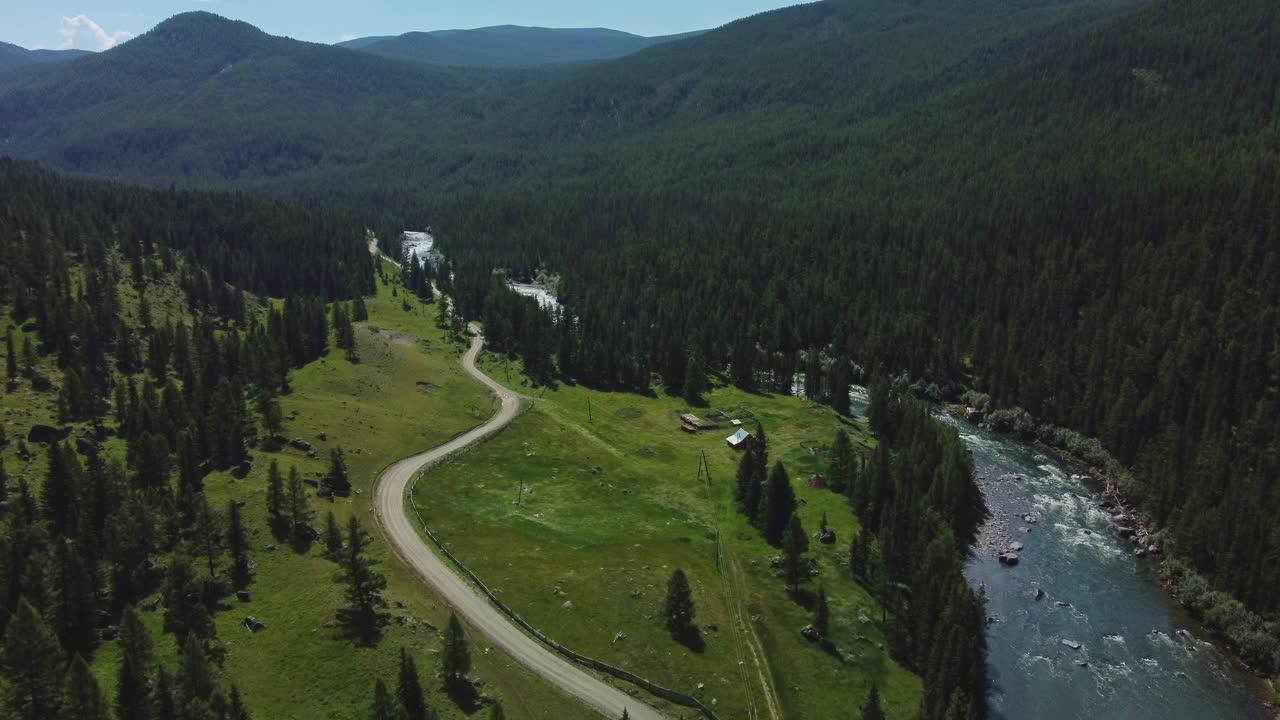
x=11, y=357
x=822, y=614
x=332, y=535
x=75, y=606
x=413, y=699
x=133, y=688
x=207, y=534
x=496, y=712
x=185, y=612
x=337, y=479
x=695, y=380
x=779, y=503
x=679, y=609
x=198, y=691
x=238, y=546
x=840, y=469
x=85, y=699
x=166, y=705
x=455, y=658
x=871, y=709
x=795, y=545
x=275, y=493
x=365, y=604
x=32, y=664
x=298, y=507
x=384, y=707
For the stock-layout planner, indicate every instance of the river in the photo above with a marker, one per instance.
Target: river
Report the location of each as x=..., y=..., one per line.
x=1138, y=658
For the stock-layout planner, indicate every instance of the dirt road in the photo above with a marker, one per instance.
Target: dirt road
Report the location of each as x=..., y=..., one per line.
x=472, y=607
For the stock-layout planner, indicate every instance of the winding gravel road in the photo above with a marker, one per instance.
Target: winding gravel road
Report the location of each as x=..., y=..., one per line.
x=389, y=495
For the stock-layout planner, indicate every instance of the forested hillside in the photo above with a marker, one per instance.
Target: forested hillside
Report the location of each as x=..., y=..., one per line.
x=1091, y=237
x=509, y=46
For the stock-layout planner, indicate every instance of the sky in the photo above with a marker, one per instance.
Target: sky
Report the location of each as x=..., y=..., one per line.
x=101, y=24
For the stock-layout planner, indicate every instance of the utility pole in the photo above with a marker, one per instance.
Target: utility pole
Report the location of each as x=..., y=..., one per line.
x=590, y=418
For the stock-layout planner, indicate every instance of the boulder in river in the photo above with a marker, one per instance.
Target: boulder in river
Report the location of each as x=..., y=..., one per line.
x=1037, y=594
x=1008, y=559
x=1072, y=644
x=1015, y=546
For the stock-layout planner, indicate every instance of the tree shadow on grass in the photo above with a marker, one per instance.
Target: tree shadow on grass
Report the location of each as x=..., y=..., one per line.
x=463, y=694
x=691, y=637
x=361, y=627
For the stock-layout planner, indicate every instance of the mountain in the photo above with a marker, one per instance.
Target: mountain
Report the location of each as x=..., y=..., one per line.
x=510, y=45
x=201, y=100
x=12, y=56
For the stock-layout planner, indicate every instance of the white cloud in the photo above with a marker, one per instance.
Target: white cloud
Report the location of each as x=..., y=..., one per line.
x=345, y=38
x=82, y=32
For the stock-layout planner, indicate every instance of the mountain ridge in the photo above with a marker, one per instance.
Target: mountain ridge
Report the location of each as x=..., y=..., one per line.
x=510, y=45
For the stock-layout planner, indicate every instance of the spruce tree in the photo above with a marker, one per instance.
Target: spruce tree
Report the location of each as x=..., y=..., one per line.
x=695, y=379
x=455, y=657
x=365, y=604
x=11, y=357
x=198, y=692
x=298, y=507
x=275, y=493
x=185, y=612
x=238, y=546
x=840, y=468
x=795, y=545
x=779, y=503
x=496, y=712
x=871, y=709
x=413, y=698
x=337, y=479
x=207, y=535
x=384, y=707
x=746, y=476
x=32, y=664
x=679, y=609
x=85, y=699
x=332, y=535
x=75, y=605
x=821, y=613
x=133, y=687
x=166, y=703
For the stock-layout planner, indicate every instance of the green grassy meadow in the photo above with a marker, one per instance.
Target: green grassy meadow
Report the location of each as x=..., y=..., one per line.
x=612, y=502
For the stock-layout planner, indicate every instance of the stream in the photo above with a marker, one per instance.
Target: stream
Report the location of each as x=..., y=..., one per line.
x=1139, y=656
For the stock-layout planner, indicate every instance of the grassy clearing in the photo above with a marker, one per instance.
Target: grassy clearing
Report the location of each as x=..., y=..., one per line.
x=612, y=503
x=407, y=394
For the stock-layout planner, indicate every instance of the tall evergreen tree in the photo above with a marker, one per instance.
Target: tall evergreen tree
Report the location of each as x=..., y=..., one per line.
x=275, y=493
x=238, y=546
x=413, y=698
x=795, y=544
x=840, y=472
x=365, y=604
x=32, y=664
x=822, y=614
x=778, y=505
x=84, y=697
x=332, y=535
x=337, y=480
x=455, y=657
x=298, y=507
x=679, y=609
x=133, y=686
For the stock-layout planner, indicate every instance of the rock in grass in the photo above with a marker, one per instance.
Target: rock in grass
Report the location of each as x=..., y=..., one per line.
x=254, y=624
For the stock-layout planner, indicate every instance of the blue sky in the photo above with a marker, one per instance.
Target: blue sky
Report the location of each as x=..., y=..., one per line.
x=99, y=24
